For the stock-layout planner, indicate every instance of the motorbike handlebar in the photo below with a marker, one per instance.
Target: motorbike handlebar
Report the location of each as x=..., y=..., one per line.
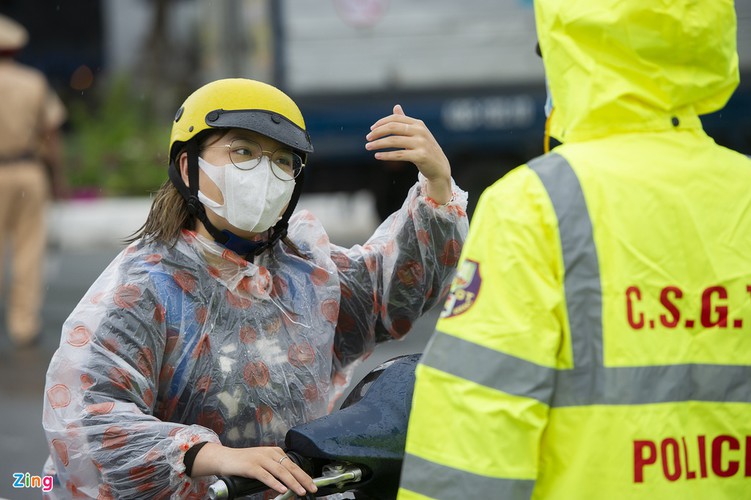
x=336, y=475
x=230, y=487
x=333, y=474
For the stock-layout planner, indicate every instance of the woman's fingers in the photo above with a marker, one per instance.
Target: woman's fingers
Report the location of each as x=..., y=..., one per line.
x=396, y=141
x=402, y=128
x=399, y=137
x=409, y=138
x=287, y=474
x=299, y=476
x=270, y=465
x=403, y=132
x=270, y=480
x=397, y=116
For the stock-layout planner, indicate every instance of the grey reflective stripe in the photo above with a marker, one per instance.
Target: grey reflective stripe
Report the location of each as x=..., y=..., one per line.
x=583, y=384
x=589, y=382
x=489, y=367
x=617, y=386
x=445, y=483
x=582, y=269
x=656, y=384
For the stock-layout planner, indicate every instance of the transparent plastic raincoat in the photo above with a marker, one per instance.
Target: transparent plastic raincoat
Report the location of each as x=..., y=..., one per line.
x=174, y=346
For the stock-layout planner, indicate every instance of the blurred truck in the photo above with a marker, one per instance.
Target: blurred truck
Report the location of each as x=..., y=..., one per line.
x=468, y=69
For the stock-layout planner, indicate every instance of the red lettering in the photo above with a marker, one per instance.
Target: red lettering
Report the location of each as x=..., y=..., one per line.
x=720, y=310
x=724, y=455
x=733, y=465
x=640, y=460
x=703, y=456
x=690, y=474
x=676, y=474
x=670, y=306
x=635, y=324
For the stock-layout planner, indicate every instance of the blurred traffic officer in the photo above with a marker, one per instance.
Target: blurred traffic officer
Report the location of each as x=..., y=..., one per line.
x=31, y=115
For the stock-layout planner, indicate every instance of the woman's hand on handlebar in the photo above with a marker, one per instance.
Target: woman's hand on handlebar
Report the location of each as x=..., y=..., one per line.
x=268, y=464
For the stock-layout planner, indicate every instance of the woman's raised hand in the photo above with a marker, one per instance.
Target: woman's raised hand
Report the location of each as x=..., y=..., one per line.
x=408, y=139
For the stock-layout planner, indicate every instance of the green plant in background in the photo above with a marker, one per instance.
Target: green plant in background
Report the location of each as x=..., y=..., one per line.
x=118, y=148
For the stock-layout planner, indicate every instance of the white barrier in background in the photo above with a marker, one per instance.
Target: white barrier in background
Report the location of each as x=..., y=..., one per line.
x=105, y=222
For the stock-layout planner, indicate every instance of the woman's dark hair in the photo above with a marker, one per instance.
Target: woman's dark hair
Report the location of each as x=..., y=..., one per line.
x=167, y=217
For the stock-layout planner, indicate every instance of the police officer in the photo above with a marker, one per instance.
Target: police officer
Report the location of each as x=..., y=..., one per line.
x=30, y=118
x=597, y=340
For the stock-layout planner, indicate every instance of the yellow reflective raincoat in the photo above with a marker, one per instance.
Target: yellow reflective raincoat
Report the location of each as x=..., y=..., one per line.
x=597, y=340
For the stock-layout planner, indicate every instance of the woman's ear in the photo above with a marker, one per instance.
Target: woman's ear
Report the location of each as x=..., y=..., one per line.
x=182, y=165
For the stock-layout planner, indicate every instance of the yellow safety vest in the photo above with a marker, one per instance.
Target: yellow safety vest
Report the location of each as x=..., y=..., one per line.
x=597, y=339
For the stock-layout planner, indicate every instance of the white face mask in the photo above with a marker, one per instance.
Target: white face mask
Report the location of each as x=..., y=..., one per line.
x=253, y=199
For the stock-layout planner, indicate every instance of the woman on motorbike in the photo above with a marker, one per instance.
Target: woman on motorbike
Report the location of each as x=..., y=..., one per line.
x=228, y=319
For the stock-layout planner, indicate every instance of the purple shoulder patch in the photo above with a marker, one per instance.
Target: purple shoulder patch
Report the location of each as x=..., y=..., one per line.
x=464, y=289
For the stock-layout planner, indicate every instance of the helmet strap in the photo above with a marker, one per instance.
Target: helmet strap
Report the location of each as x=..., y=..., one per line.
x=190, y=193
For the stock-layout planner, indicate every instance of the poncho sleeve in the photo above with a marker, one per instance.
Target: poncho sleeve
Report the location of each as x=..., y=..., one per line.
x=404, y=269
x=100, y=402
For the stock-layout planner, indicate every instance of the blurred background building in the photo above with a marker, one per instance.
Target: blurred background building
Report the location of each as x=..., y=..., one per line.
x=468, y=69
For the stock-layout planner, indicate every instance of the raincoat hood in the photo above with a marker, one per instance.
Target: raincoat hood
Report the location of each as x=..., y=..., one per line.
x=617, y=66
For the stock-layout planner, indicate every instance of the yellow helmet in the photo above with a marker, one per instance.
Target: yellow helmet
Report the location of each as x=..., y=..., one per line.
x=240, y=103
x=244, y=104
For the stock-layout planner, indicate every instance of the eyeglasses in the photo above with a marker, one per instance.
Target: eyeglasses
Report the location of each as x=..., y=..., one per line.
x=245, y=154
